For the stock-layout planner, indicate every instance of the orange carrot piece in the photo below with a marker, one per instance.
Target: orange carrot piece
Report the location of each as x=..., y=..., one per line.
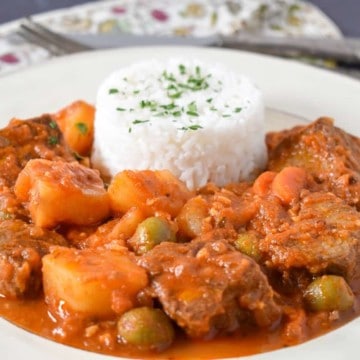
x=76, y=122
x=263, y=183
x=288, y=184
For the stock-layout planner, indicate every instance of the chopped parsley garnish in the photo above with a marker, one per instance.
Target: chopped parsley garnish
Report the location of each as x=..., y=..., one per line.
x=182, y=69
x=113, y=91
x=53, y=140
x=169, y=106
x=148, y=104
x=167, y=76
x=53, y=124
x=197, y=70
x=192, y=113
x=226, y=115
x=82, y=127
x=182, y=81
x=135, y=122
x=192, y=109
x=174, y=95
x=191, y=127
x=238, y=109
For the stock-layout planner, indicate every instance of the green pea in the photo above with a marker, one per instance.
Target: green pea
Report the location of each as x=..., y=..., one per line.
x=329, y=292
x=149, y=233
x=146, y=328
x=248, y=244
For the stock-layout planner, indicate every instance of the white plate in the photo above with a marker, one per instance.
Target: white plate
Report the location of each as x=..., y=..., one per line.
x=293, y=92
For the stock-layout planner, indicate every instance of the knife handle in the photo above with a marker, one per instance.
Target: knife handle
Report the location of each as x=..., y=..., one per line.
x=346, y=51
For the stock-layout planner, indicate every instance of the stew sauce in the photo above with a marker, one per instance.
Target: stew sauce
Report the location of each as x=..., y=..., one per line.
x=147, y=268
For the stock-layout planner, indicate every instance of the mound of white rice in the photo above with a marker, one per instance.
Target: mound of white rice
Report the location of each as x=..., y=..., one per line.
x=200, y=121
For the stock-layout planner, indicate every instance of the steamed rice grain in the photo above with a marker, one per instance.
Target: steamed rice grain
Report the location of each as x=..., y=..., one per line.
x=200, y=121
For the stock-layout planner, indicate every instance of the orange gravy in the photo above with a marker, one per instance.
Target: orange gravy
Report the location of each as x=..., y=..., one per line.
x=33, y=316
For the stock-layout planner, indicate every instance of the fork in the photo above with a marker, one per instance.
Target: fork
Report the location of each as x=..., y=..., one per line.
x=54, y=43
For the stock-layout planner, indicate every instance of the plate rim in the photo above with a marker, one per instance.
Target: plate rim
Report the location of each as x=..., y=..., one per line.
x=319, y=346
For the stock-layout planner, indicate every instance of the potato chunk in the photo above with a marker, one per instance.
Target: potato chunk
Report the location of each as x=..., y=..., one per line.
x=59, y=192
x=150, y=191
x=95, y=283
x=76, y=122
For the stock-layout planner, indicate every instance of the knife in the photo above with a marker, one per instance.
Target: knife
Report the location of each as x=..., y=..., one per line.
x=344, y=50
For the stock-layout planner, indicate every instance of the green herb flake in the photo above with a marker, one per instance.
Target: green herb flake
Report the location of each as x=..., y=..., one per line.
x=159, y=114
x=192, y=107
x=113, y=91
x=209, y=100
x=238, y=109
x=176, y=113
x=82, y=127
x=226, y=115
x=129, y=130
x=182, y=69
x=120, y=109
x=169, y=77
x=135, y=122
x=135, y=92
x=53, y=124
x=197, y=70
x=191, y=127
x=148, y=104
x=192, y=113
x=175, y=95
x=169, y=106
x=53, y=140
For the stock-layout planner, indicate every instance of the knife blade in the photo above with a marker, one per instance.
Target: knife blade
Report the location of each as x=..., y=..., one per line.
x=344, y=50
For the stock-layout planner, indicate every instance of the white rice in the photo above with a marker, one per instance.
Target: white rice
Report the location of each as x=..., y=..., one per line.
x=147, y=117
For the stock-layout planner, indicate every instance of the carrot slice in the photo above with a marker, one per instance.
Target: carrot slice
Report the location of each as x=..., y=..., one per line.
x=76, y=122
x=263, y=183
x=288, y=184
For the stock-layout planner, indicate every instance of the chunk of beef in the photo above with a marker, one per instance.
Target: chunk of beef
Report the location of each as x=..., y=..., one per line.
x=328, y=153
x=322, y=237
x=207, y=286
x=21, y=141
x=21, y=248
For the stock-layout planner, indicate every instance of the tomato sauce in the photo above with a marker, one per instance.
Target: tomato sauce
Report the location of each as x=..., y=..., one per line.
x=34, y=316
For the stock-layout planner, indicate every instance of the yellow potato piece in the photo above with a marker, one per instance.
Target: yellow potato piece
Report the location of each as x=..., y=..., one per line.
x=91, y=282
x=60, y=192
x=150, y=191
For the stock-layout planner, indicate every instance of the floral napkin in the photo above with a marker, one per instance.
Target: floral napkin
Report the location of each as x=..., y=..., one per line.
x=169, y=17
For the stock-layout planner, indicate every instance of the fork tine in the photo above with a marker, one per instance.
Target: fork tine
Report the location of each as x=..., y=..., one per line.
x=55, y=43
x=35, y=39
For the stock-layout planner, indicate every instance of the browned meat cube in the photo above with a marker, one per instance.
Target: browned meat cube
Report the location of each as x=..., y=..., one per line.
x=21, y=248
x=21, y=141
x=328, y=153
x=322, y=236
x=208, y=287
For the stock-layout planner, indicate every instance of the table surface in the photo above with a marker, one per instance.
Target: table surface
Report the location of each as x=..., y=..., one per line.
x=345, y=13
